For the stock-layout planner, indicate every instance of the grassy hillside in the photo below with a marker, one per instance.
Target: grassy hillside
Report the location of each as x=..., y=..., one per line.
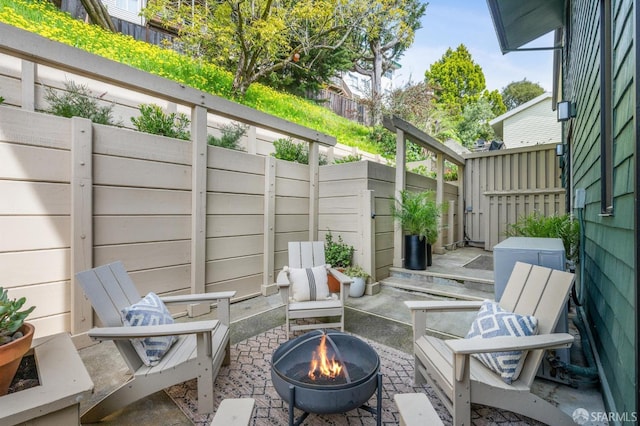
x=41, y=17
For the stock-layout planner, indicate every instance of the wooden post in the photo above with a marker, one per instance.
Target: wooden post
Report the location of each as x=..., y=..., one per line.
x=401, y=157
x=314, y=189
x=437, y=248
x=461, y=207
x=28, y=86
x=198, y=207
x=450, y=224
x=252, y=142
x=268, y=282
x=367, y=244
x=81, y=225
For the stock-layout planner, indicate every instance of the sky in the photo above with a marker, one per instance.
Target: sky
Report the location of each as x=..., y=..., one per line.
x=448, y=23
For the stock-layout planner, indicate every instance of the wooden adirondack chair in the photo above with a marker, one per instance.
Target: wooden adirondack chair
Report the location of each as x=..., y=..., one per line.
x=460, y=380
x=307, y=254
x=202, y=346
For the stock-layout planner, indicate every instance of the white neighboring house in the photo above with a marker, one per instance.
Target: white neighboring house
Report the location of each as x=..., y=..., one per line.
x=360, y=85
x=127, y=10
x=532, y=123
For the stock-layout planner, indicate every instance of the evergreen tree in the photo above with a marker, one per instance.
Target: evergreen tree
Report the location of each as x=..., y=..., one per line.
x=457, y=79
x=518, y=92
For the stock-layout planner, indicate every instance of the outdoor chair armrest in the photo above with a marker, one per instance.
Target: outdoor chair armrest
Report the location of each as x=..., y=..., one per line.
x=345, y=283
x=442, y=306
x=419, y=309
x=510, y=343
x=116, y=333
x=282, y=280
x=463, y=348
x=341, y=277
x=197, y=298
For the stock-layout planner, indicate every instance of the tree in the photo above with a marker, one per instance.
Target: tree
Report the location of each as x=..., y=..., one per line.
x=260, y=37
x=382, y=38
x=457, y=79
x=98, y=14
x=413, y=103
x=518, y=92
x=495, y=100
x=474, y=123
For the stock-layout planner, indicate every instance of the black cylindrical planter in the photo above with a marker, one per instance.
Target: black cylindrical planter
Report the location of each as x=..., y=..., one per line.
x=415, y=253
x=429, y=258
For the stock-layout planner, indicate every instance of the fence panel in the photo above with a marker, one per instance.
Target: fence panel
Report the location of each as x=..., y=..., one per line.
x=502, y=186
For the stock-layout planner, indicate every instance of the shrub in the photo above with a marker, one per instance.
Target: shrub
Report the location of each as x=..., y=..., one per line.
x=1, y=100
x=230, y=138
x=418, y=213
x=78, y=101
x=356, y=271
x=352, y=158
x=386, y=145
x=554, y=226
x=338, y=254
x=288, y=150
x=153, y=120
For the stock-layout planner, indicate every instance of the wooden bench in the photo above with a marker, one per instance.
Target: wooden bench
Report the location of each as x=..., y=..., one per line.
x=234, y=412
x=415, y=409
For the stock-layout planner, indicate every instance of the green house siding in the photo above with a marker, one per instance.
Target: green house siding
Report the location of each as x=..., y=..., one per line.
x=610, y=250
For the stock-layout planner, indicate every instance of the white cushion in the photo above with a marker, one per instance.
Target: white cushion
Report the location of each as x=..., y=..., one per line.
x=493, y=321
x=149, y=311
x=309, y=283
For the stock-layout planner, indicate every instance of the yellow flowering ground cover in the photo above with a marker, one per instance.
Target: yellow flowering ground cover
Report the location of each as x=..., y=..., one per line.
x=42, y=17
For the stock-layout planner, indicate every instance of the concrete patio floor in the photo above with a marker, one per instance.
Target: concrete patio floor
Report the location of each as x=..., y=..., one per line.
x=382, y=318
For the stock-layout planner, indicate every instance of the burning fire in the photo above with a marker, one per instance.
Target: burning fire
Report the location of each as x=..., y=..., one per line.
x=321, y=366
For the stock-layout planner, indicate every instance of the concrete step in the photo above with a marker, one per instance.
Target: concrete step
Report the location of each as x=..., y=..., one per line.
x=441, y=287
x=469, y=278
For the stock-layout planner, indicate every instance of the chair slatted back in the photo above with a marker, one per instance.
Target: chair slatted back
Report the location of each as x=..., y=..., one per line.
x=109, y=289
x=306, y=254
x=541, y=292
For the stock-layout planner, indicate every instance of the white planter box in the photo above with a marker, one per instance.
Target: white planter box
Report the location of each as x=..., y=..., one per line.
x=64, y=382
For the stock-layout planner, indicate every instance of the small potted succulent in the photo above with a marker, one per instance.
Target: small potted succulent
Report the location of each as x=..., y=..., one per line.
x=359, y=277
x=15, y=337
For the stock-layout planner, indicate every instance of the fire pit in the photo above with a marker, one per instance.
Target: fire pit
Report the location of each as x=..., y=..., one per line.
x=326, y=372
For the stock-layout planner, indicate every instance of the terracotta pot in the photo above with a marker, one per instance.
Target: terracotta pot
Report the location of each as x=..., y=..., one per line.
x=11, y=354
x=334, y=284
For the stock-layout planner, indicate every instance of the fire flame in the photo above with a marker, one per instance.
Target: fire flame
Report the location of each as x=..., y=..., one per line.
x=321, y=366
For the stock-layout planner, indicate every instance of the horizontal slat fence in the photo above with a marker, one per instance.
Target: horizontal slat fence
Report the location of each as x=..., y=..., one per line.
x=140, y=212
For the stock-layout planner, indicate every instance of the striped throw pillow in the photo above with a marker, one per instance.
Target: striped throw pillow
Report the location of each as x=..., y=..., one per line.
x=309, y=283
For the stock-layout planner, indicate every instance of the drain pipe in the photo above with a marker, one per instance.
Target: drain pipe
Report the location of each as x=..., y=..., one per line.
x=589, y=374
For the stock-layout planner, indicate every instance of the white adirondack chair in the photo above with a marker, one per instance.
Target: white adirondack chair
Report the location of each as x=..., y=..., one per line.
x=202, y=346
x=460, y=380
x=307, y=254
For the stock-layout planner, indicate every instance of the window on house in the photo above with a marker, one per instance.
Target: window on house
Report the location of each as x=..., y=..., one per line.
x=606, y=106
x=128, y=5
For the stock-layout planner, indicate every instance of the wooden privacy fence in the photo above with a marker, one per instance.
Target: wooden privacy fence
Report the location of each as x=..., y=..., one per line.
x=77, y=194
x=503, y=186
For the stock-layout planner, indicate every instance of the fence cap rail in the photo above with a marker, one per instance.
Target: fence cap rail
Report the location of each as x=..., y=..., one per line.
x=35, y=48
x=421, y=138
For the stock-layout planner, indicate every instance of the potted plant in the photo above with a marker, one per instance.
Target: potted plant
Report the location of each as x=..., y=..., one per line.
x=359, y=277
x=15, y=337
x=419, y=215
x=338, y=254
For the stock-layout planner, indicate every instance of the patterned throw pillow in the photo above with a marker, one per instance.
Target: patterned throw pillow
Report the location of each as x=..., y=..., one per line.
x=309, y=283
x=149, y=311
x=493, y=321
